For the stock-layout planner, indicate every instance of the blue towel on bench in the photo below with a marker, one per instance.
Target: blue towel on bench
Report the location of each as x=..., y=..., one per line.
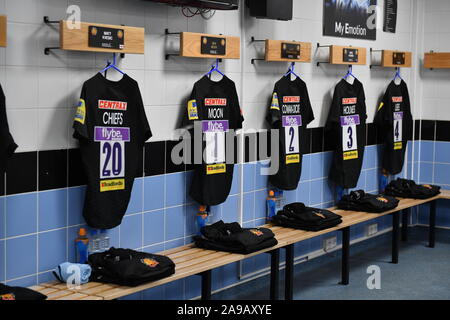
x=67, y=269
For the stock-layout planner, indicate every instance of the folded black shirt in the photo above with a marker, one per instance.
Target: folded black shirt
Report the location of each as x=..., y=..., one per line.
x=231, y=237
x=298, y=216
x=361, y=201
x=409, y=189
x=19, y=293
x=127, y=267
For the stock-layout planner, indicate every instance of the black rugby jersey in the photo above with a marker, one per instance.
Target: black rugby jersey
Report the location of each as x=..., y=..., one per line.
x=214, y=106
x=7, y=144
x=346, y=128
x=395, y=125
x=290, y=112
x=111, y=127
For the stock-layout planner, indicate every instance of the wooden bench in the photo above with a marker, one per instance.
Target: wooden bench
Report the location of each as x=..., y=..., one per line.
x=190, y=260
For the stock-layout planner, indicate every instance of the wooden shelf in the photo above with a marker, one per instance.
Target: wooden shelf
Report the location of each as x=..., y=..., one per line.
x=78, y=39
x=190, y=46
x=337, y=55
x=437, y=60
x=274, y=51
x=3, y=31
x=387, y=59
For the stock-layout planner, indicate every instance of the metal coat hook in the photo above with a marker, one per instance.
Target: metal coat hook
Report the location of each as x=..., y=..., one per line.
x=168, y=33
x=252, y=41
x=320, y=46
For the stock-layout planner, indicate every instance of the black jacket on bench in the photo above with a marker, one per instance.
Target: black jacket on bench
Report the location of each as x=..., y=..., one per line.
x=127, y=267
x=409, y=189
x=298, y=216
x=19, y=293
x=231, y=237
x=361, y=201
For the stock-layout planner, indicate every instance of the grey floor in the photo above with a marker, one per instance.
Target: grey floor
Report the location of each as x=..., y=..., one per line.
x=422, y=273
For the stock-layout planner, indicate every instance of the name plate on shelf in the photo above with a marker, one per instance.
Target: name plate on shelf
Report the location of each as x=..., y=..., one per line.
x=290, y=51
x=350, y=55
x=107, y=38
x=398, y=58
x=213, y=46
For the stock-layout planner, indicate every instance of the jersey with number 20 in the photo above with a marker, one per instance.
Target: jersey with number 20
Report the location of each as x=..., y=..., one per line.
x=112, y=128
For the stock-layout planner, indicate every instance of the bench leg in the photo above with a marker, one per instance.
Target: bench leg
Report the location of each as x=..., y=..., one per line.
x=405, y=219
x=395, y=236
x=289, y=276
x=206, y=285
x=274, y=273
x=345, y=271
x=432, y=230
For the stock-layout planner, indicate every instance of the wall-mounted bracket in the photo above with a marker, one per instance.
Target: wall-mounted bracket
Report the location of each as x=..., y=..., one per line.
x=437, y=60
x=3, y=31
x=284, y=51
x=345, y=55
x=129, y=39
x=202, y=45
x=392, y=59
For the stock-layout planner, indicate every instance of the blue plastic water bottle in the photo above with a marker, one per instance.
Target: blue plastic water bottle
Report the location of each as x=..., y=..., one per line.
x=202, y=218
x=271, y=205
x=81, y=246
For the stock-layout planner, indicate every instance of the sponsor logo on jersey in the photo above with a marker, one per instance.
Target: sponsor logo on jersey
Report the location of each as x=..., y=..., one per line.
x=383, y=199
x=112, y=185
x=398, y=145
x=292, y=158
x=111, y=134
x=8, y=297
x=275, y=103
x=350, y=120
x=398, y=115
x=397, y=99
x=292, y=121
x=349, y=101
x=220, y=102
x=351, y=155
x=257, y=232
x=215, y=126
x=216, y=169
x=291, y=99
x=192, y=110
x=80, y=116
x=112, y=105
x=150, y=262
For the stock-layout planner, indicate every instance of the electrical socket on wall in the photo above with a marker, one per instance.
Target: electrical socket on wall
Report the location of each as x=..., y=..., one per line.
x=329, y=243
x=371, y=229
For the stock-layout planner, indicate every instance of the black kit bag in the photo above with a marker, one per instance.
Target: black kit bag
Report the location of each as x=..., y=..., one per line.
x=361, y=201
x=127, y=267
x=298, y=216
x=8, y=293
x=409, y=189
x=231, y=237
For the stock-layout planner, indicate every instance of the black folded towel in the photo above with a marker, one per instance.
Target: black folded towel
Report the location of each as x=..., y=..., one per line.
x=361, y=201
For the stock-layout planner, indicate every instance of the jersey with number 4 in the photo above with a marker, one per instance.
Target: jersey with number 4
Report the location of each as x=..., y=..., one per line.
x=213, y=108
x=290, y=112
x=395, y=125
x=111, y=126
x=346, y=127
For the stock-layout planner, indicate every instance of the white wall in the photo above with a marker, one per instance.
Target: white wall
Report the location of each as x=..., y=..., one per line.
x=43, y=90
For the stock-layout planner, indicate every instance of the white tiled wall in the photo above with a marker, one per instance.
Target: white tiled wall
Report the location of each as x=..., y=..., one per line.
x=42, y=90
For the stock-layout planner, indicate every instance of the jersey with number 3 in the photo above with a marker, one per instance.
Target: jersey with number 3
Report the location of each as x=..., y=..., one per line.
x=111, y=126
x=290, y=112
x=214, y=108
x=346, y=129
x=395, y=125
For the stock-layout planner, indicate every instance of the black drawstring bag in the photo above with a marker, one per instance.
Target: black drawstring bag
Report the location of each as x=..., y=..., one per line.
x=365, y=202
x=8, y=293
x=409, y=189
x=298, y=216
x=230, y=237
x=127, y=267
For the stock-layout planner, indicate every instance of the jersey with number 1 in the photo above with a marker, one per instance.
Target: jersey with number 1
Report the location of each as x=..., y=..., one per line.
x=395, y=125
x=214, y=108
x=346, y=127
x=111, y=126
x=290, y=112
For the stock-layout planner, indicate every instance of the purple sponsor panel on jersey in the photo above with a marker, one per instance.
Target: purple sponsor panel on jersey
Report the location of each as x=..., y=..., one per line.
x=215, y=126
x=111, y=134
x=398, y=115
x=350, y=120
x=292, y=121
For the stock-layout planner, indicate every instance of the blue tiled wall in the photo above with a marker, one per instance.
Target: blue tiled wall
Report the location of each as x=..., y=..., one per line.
x=434, y=168
x=39, y=228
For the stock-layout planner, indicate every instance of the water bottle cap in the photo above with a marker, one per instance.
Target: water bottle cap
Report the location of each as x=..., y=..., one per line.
x=202, y=208
x=82, y=232
x=271, y=193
